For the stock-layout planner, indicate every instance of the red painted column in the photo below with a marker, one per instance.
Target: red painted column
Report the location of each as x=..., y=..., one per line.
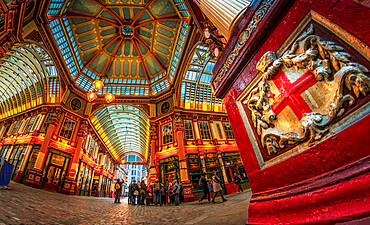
x=35, y=174
x=70, y=182
x=301, y=171
x=153, y=149
x=188, y=187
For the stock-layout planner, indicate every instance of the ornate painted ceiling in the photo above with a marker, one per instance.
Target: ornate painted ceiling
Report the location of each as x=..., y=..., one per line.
x=133, y=46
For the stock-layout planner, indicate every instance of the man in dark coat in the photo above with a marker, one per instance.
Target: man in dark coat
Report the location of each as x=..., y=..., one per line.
x=118, y=187
x=237, y=180
x=135, y=192
x=203, y=184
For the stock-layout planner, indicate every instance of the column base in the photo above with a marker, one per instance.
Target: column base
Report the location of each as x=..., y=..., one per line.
x=34, y=178
x=69, y=187
x=231, y=188
x=18, y=176
x=188, y=192
x=339, y=196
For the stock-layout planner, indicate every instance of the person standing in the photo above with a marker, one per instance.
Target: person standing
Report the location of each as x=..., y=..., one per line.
x=181, y=192
x=118, y=187
x=157, y=192
x=129, y=195
x=170, y=193
x=237, y=180
x=142, y=192
x=176, y=191
x=204, y=185
x=135, y=192
x=217, y=187
x=138, y=193
x=149, y=194
x=163, y=195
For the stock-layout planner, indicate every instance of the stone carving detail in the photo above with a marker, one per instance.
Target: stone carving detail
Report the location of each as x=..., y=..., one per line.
x=243, y=38
x=330, y=64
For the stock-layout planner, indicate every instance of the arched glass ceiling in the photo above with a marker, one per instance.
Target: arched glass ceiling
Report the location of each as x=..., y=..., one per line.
x=196, y=91
x=134, y=46
x=27, y=78
x=124, y=128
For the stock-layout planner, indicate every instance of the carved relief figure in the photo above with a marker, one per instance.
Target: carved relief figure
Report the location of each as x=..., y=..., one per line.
x=315, y=80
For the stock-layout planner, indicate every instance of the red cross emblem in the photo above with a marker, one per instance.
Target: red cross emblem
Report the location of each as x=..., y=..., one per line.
x=290, y=93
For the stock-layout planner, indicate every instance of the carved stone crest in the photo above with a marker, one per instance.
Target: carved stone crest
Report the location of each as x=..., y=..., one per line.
x=319, y=83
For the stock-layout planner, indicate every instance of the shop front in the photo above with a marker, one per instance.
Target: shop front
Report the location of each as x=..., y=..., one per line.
x=85, y=179
x=30, y=163
x=169, y=170
x=55, y=170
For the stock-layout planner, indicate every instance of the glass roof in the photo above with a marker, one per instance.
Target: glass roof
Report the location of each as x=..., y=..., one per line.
x=196, y=92
x=124, y=129
x=134, y=46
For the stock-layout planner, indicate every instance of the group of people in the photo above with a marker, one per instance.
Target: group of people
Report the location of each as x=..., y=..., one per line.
x=141, y=194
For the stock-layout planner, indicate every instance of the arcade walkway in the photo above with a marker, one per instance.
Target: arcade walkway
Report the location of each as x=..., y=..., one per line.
x=26, y=205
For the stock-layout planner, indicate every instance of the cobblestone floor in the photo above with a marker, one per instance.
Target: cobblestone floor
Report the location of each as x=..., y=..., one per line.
x=26, y=205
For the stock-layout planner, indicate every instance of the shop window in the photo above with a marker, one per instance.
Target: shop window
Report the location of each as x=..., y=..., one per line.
x=46, y=124
x=31, y=161
x=219, y=130
x=167, y=133
x=228, y=131
x=212, y=164
x=204, y=130
x=195, y=171
x=67, y=129
x=4, y=152
x=188, y=130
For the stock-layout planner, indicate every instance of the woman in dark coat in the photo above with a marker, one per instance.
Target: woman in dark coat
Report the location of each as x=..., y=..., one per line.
x=142, y=192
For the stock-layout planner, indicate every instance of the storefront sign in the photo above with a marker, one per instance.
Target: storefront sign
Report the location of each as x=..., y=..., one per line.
x=72, y=172
x=57, y=160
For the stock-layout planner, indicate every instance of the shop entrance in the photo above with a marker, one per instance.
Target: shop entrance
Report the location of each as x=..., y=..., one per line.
x=230, y=174
x=52, y=179
x=55, y=171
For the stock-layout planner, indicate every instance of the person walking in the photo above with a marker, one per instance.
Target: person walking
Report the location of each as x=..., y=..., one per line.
x=237, y=180
x=170, y=193
x=142, y=192
x=176, y=191
x=157, y=192
x=118, y=187
x=204, y=185
x=217, y=187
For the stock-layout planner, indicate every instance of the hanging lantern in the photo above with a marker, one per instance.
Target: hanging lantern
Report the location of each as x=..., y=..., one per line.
x=91, y=96
x=109, y=97
x=207, y=34
x=98, y=84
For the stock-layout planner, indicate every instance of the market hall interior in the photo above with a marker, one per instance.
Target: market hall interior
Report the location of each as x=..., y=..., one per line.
x=166, y=104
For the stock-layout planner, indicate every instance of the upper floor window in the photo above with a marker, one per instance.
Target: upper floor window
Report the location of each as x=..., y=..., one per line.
x=46, y=123
x=167, y=133
x=228, y=131
x=204, y=130
x=219, y=130
x=188, y=129
x=67, y=128
x=30, y=124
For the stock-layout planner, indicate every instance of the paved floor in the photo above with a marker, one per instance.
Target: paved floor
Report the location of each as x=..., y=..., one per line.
x=26, y=205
